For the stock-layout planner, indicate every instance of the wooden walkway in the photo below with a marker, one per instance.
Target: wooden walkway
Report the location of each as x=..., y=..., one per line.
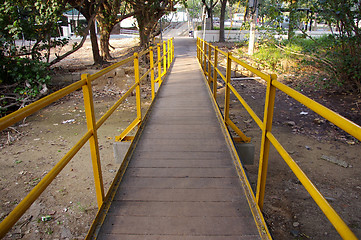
x=181, y=182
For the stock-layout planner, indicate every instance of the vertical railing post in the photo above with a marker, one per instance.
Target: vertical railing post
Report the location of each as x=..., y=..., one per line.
x=152, y=71
x=265, y=143
x=200, y=52
x=137, y=89
x=93, y=141
x=168, y=54
x=171, y=50
x=228, y=90
x=209, y=63
x=198, y=49
x=159, y=66
x=164, y=59
x=205, y=58
x=215, y=73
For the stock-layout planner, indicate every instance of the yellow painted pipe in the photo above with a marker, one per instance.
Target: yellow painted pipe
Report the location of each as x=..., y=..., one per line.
x=343, y=123
x=20, y=114
x=110, y=68
x=247, y=107
x=330, y=213
x=20, y=209
x=252, y=69
x=114, y=107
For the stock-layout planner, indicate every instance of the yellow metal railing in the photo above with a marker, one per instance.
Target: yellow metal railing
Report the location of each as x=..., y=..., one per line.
x=208, y=56
x=166, y=56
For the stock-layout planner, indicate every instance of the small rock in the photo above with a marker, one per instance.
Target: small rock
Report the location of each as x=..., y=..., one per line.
x=290, y=123
x=318, y=121
x=334, y=160
x=308, y=147
x=296, y=224
x=330, y=199
x=52, y=212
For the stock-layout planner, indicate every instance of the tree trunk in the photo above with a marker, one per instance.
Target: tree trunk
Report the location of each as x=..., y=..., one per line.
x=221, y=20
x=145, y=29
x=104, y=42
x=95, y=47
x=210, y=16
x=292, y=20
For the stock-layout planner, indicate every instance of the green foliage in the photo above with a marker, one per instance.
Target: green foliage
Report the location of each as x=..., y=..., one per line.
x=28, y=30
x=345, y=52
x=269, y=56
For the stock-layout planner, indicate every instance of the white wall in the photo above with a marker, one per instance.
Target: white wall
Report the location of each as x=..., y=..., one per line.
x=230, y=36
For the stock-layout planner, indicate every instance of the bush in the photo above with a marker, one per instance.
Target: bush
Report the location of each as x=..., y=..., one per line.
x=22, y=81
x=337, y=57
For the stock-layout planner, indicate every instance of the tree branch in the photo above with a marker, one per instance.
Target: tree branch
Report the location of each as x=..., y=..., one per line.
x=85, y=34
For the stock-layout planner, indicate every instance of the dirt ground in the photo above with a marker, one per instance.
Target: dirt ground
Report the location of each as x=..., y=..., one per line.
x=313, y=142
x=31, y=148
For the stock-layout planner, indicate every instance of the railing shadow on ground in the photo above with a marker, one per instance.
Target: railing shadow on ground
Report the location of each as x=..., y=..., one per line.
x=159, y=66
x=208, y=57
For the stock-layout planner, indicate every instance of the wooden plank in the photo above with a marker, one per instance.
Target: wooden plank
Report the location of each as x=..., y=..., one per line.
x=181, y=195
x=182, y=172
x=193, y=163
x=216, y=226
x=174, y=209
x=174, y=237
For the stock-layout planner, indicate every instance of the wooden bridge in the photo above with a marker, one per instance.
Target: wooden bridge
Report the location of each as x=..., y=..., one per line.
x=181, y=181
x=182, y=177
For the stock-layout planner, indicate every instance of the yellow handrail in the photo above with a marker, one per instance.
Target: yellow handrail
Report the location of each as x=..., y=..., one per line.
x=93, y=126
x=266, y=127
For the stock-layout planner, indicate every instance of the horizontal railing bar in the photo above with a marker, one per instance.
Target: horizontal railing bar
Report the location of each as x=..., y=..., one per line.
x=247, y=107
x=143, y=52
x=330, y=213
x=128, y=129
x=220, y=74
x=114, y=107
x=230, y=123
x=20, y=209
x=145, y=74
x=252, y=69
x=110, y=68
x=20, y=114
x=224, y=53
x=335, y=118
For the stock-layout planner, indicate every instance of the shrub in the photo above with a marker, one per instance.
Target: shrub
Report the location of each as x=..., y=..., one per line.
x=22, y=81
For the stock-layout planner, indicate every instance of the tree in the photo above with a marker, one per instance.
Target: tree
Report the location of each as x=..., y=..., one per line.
x=221, y=20
x=292, y=19
x=148, y=14
x=345, y=50
x=28, y=31
x=111, y=12
x=209, y=8
x=89, y=8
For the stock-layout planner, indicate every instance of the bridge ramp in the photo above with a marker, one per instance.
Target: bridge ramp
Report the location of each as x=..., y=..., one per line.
x=181, y=182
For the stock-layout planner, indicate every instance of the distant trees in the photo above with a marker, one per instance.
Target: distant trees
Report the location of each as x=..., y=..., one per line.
x=30, y=29
x=148, y=14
